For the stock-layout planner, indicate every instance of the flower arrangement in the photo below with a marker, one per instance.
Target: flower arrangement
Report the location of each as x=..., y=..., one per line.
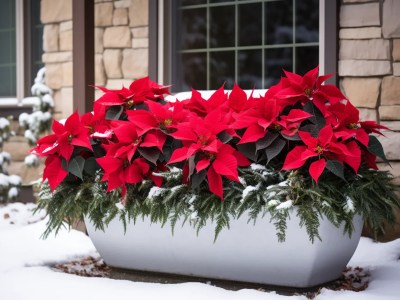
x=301, y=144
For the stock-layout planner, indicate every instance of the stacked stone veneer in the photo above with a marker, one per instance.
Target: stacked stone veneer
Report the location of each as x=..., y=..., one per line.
x=121, y=46
x=369, y=66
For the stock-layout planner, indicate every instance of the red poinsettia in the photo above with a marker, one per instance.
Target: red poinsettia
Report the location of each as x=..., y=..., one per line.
x=66, y=136
x=138, y=92
x=320, y=149
x=298, y=88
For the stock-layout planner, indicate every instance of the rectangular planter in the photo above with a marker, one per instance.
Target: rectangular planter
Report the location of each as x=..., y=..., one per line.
x=246, y=252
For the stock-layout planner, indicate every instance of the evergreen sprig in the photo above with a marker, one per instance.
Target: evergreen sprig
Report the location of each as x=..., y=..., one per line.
x=261, y=192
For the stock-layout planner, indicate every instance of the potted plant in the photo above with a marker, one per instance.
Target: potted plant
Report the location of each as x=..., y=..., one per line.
x=225, y=173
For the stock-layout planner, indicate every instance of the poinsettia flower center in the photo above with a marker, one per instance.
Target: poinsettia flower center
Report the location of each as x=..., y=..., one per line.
x=211, y=156
x=165, y=123
x=70, y=138
x=277, y=127
x=308, y=92
x=352, y=126
x=90, y=128
x=130, y=104
x=203, y=140
x=126, y=163
x=319, y=149
x=137, y=141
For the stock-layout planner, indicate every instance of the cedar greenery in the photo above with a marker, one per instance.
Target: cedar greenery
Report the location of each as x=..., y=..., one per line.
x=260, y=192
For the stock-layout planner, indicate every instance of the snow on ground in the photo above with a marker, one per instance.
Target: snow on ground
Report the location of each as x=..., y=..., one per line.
x=25, y=272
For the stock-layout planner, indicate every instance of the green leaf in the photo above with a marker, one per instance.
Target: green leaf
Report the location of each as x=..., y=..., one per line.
x=76, y=165
x=91, y=166
x=150, y=153
x=114, y=112
x=275, y=148
x=267, y=140
x=375, y=147
x=249, y=150
x=198, y=178
x=336, y=168
x=224, y=137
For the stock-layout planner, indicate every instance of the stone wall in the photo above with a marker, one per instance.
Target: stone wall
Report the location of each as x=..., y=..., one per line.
x=369, y=66
x=121, y=46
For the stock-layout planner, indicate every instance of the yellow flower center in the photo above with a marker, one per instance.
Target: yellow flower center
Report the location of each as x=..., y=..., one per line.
x=352, y=126
x=319, y=149
x=308, y=92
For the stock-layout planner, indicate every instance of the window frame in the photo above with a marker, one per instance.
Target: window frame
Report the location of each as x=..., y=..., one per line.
x=162, y=41
x=15, y=105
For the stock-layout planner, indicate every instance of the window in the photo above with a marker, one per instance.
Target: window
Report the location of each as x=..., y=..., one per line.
x=8, y=50
x=206, y=43
x=21, y=34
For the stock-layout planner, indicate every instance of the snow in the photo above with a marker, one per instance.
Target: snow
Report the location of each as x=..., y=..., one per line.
x=285, y=205
x=26, y=273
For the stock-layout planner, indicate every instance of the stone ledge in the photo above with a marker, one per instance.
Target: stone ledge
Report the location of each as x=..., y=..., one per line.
x=360, y=15
x=373, y=49
x=364, y=68
x=360, y=33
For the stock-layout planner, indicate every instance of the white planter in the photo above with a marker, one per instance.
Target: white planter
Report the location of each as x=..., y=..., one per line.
x=245, y=252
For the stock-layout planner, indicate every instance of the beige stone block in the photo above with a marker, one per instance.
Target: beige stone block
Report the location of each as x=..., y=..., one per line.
x=117, y=37
x=50, y=38
x=396, y=69
x=57, y=102
x=52, y=11
x=393, y=168
x=360, y=15
x=67, y=73
x=120, y=16
x=18, y=147
x=362, y=92
x=135, y=63
x=56, y=57
x=54, y=76
x=99, y=73
x=112, y=63
x=139, y=13
x=122, y=3
x=396, y=50
x=360, y=33
x=116, y=84
x=67, y=102
x=364, y=67
x=140, y=43
x=66, y=40
x=389, y=113
x=367, y=114
x=365, y=49
x=66, y=26
x=98, y=40
x=391, y=144
x=103, y=14
x=390, y=18
x=26, y=173
x=392, y=125
x=140, y=32
x=390, y=91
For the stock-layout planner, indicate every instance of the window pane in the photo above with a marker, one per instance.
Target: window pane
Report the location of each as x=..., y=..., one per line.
x=307, y=21
x=194, y=69
x=306, y=59
x=250, y=69
x=275, y=61
x=222, y=69
x=194, y=28
x=8, y=49
x=250, y=24
x=279, y=22
x=222, y=26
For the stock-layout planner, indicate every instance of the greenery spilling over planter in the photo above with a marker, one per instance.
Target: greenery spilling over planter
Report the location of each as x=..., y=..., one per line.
x=301, y=144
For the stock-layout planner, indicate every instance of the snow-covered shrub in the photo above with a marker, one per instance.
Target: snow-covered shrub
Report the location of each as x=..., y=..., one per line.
x=39, y=121
x=9, y=184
